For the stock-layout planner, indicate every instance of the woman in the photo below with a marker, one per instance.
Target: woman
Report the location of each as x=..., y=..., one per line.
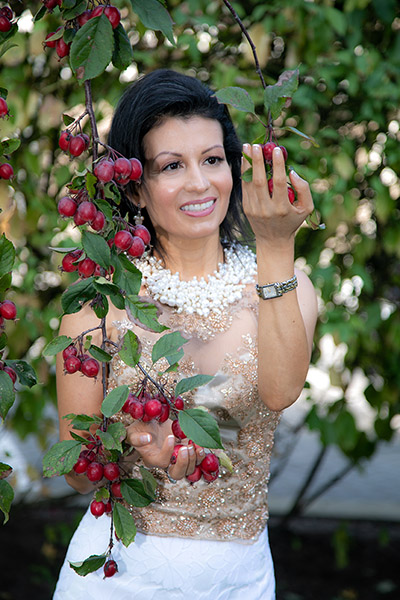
x=206, y=540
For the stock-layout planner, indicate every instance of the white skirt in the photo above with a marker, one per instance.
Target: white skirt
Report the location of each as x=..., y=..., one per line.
x=158, y=568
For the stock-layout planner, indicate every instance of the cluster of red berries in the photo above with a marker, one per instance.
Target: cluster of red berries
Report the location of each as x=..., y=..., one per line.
x=209, y=466
x=63, y=48
x=111, y=12
x=268, y=150
x=75, y=361
x=122, y=170
x=146, y=407
x=82, y=210
x=6, y=170
x=6, y=16
x=74, y=144
x=132, y=241
x=86, y=267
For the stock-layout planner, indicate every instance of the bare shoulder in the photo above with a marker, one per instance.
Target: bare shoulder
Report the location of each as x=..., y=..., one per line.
x=77, y=323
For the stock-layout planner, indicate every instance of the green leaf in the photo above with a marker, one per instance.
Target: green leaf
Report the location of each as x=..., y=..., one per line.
x=92, y=48
x=236, y=97
x=275, y=95
x=91, y=181
x=301, y=134
x=201, y=427
x=83, y=422
x=5, y=47
x=144, y=312
x=57, y=345
x=76, y=9
x=96, y=248
x=77, y=295
x=154, y=16
x=102, y=494
x=100, y=306
x=248, y=175
x=40, y=13
x=191, y=383
x=7, y=394
x=7, y=255
x=78, y=438
x=5, y=282
x=113, y=437
x=124, y=524
x=6, y=498
x=61, y=457
x=115, y=400
x=149, y=482
x=123, y=54
x=5, y=470
x=67, y=120
x=130, y=351
x=169, y=346
x=99, y=354
x=26, y=373
x=10, y=146
x=104, y=286
x=3, y=340
x=134, y=492
x=91, y=564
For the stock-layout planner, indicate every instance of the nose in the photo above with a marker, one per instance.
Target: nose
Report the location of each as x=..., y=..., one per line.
x=196, y=179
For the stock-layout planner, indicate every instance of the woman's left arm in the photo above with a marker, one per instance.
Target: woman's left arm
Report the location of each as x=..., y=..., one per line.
x=286, y=323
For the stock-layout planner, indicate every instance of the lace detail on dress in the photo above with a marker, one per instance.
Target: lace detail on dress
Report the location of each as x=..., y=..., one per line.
x=234, y=507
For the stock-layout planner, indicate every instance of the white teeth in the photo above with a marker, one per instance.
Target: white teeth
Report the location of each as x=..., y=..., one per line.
x=198, y=207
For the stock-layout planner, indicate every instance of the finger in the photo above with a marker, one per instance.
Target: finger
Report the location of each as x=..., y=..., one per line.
x=185, y=463
x=138, y=439
x=247, y=152
x=259, y=176
x=302, y=189
x=200, y=453
x=279, y=173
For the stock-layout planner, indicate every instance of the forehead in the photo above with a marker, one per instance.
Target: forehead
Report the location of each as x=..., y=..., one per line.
x=177, y=134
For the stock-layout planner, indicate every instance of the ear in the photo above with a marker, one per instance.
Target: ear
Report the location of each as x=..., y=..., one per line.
x=140, y=196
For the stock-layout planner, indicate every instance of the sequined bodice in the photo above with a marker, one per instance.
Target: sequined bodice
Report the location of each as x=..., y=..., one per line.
x=235, y=505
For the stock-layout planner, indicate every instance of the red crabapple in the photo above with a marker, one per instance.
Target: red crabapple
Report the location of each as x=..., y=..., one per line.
x=86, y=267
x=136, y=409
x=68, y=263
x=177, y=430
x=175, y=453
x=11, y=373
x=81, y=465
x=267, y=150
x=72, y=364
x=111, y=471
x=164, y=415
x=123, y=240
x=8, y=310
x=116, y=489
x=84, y=17
x=77, y=145
x=64, y=140
x=87, y=211
x=137, y=169
x=122, y=169
x=110, y=568
x=195, y=476
x=6, y=12
x=153, y=408
x=95, y=472
x=97, y=508
x=142, y=232
x=70, y=350
x=5, y=24
x=99, y=221
x=3, y=108
x=137, y=247
x=67, y=206
x=210, y=463
x=113, y=15
x=90, y=367
x=6, y=171
x=104, y=170
x=62, y=48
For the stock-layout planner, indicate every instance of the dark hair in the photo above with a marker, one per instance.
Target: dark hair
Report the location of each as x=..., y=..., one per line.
x=166, y=93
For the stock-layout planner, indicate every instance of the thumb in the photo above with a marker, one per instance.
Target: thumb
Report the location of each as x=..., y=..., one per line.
x=139, y=439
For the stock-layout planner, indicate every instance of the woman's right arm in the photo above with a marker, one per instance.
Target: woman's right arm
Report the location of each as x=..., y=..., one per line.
x=77, y=393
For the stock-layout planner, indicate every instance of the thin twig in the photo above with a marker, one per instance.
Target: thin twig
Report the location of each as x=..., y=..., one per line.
x=90, y=111
x=247, y=36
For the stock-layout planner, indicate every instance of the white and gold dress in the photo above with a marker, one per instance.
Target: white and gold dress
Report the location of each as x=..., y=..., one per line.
x=206, y=541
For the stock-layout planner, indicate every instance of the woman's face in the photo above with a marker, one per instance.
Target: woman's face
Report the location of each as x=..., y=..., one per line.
x=187, y=180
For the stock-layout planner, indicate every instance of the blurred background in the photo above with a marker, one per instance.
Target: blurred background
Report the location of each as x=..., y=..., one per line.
x=335, y=484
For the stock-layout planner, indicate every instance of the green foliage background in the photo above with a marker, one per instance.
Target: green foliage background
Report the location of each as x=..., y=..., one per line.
x=348, y=100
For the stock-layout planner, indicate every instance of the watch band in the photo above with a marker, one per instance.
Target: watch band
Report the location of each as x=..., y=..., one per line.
x=277, y=289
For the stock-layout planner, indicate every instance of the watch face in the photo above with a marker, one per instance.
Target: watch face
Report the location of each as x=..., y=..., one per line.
x=269, y=291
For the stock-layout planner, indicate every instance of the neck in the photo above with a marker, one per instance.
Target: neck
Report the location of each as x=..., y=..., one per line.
x=191, y=258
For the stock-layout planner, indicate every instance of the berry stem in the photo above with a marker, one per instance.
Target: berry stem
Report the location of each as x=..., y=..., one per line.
x=247, y=36
x=90, y=112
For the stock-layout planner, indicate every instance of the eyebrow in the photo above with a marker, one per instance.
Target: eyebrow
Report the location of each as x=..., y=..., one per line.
x=179, y=155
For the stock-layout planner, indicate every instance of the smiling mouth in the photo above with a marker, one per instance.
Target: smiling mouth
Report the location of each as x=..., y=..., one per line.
x=198, y=207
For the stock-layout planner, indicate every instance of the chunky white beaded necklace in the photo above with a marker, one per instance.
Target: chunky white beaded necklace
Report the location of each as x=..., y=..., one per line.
x=223, y=287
